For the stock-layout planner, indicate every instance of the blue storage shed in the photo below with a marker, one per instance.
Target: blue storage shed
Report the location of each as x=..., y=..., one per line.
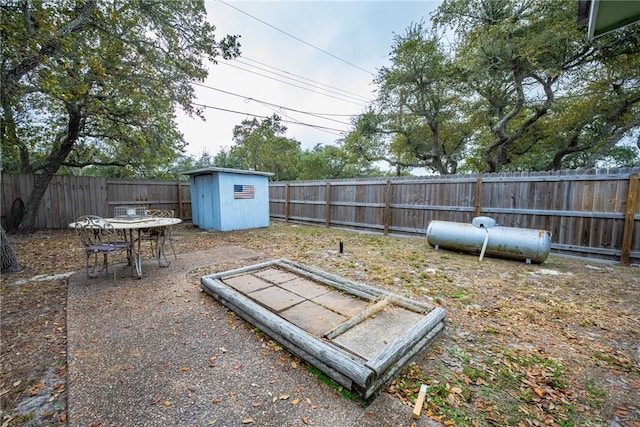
x=229, y=199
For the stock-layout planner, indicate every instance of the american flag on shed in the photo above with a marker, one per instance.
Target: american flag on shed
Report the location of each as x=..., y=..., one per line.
x=243, y=191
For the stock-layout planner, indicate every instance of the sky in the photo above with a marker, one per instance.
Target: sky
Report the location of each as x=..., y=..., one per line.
x=312, y=62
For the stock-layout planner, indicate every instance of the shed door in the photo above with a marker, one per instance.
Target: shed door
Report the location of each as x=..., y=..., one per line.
x=204, y=192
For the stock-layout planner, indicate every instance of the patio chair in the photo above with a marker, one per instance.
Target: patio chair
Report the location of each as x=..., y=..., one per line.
x=100, y=238
x=159, y=236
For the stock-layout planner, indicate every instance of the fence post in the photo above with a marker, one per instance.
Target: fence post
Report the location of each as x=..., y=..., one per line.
x=627, y=234
x=327, y=206
x=478, y=201
x=387, y=207
x=286, y=202
x=179, y=201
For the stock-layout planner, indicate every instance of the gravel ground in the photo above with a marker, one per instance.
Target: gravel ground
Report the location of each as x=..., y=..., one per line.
x=158, y=351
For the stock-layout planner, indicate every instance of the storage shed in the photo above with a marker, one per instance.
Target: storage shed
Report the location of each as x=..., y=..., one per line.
x=229, y=199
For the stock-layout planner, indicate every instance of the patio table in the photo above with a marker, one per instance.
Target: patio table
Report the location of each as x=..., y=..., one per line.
x=129, y=225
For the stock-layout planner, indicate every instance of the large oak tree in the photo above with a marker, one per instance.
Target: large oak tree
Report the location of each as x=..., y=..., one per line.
x=504, y=85
x=99, y=83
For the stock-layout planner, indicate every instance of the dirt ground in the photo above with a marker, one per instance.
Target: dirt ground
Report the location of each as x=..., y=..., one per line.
x=550, y=344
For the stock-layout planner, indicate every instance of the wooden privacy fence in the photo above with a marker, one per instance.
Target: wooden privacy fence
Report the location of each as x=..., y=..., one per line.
x=68, y=197
x=590, y=213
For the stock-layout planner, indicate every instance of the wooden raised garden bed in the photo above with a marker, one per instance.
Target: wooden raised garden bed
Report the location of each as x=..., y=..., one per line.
x=358, y=335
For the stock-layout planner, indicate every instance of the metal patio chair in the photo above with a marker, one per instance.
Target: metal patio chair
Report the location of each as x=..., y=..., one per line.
x=100, y=238
x=159, y=236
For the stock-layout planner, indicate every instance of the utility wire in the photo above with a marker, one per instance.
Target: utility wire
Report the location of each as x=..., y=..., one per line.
x=324, y=128
x=305, y=78
x=291, y=84
x=298, y=39
x=315, y=85
x=281, y=107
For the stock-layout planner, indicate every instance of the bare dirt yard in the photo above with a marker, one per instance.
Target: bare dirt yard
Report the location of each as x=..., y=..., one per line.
x=524, y=345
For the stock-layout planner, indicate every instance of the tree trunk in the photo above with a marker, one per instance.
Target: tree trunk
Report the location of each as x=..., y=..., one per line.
x=52, y=164
x=9, y=260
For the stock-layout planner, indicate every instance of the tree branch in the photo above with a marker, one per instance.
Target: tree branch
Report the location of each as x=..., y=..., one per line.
x=31, y=62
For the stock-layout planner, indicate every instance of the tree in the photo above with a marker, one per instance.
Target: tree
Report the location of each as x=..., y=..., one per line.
x=414, y=121
x=226, y=159
x=332, y=162
x=98, y=83
x=262, y=146
x=8, y=258
x=538, y=90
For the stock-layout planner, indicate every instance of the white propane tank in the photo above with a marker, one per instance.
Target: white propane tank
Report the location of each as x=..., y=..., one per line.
x=484, y=237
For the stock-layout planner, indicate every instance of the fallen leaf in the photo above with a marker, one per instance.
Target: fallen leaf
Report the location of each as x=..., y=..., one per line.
x=247, y=420
x=295, y=401
x=537, y=391
x=284, y=396
x=305, y=420
x=622, y=412
x=156, y=400
x=35, y=389
x=166, y=403
x=256, y=404
x=215, y=401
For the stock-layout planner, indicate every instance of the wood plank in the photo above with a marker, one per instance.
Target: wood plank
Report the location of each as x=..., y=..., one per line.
x=632, y=198
x=287, y=207
x=327, y=207
x=417, y=408
x=478, y=197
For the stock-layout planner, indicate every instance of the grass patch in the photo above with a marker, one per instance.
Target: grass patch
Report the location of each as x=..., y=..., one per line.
x=335, y=386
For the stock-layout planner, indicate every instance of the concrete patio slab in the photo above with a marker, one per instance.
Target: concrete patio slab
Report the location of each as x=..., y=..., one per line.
x=247, y=283
x=371, y=336
x=306, y=288
x=276, y=298
x=341, y=303
x=275, y=275
x=313, y=318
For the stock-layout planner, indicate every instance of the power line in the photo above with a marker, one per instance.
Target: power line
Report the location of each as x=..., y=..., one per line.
x=305, y=78
x=270, y=104
x=316, y=85
x=291, y=84
x=318, y=127
x=298, y=39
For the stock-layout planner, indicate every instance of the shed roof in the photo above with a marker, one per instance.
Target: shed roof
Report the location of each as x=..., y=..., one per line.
x=208, y=170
